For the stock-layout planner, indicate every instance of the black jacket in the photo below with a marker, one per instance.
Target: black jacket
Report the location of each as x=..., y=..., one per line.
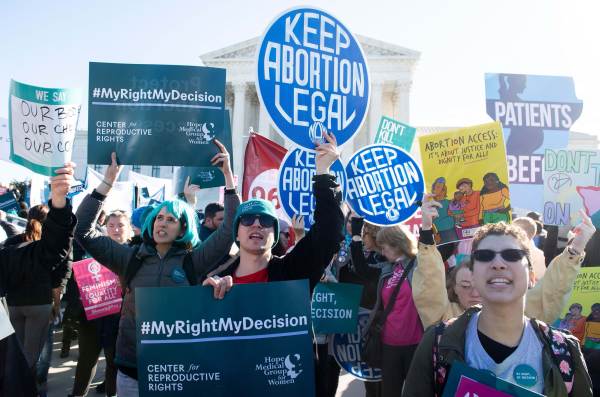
x=49, y=261
x=309, y=258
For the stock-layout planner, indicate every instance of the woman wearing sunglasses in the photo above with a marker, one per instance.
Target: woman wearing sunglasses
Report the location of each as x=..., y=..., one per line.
x=498, y=336
x=438, y=300
x=170, y=244
x=256, y=231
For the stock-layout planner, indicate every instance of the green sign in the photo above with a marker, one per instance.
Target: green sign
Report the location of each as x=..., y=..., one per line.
x=42, y=124
x=334, y=308
x=395, y=133
x=251, y=343
x=155, y=114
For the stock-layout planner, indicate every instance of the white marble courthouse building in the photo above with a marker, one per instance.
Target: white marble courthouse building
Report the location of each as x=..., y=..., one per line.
x=391, y=70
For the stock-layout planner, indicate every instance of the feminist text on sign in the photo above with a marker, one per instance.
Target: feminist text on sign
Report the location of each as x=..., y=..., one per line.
x=312, y=77
x=99, y=289
x=295, y=183
x=155, y=114
x=346, y=350
x=188, y=350
x=467, y=173
x=395, y=133
x=384, y=184
x=571, y=183
x=536, y=113
x=42, y=125
x=334, y=307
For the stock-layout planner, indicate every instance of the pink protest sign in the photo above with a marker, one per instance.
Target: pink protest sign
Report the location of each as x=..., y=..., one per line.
x=468, y=387
x=99, y=289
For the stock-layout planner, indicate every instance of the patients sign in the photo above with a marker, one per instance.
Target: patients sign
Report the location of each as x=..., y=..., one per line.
x=295, y=183
x=251, y=343
x=312, y=77
x=385, y=184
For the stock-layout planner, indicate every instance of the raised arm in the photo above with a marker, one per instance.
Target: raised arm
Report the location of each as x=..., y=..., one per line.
x=546, y=299
x=357, y=253
x=208, y=254
x=111, y=254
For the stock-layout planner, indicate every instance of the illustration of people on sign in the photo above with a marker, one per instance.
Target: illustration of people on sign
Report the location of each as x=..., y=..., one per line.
x=495, y=200
x=469, y=208
x=574, y=321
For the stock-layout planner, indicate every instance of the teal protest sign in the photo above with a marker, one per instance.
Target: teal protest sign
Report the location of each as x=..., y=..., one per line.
x=251, y=343
x=395, y=133
x=42, y=124
x=467, y=381
x=155, y=114
x=8, y=203
x=209, y=176
x=334, y=307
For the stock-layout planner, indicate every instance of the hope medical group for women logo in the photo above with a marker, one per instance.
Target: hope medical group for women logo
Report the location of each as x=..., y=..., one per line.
x=312, y=76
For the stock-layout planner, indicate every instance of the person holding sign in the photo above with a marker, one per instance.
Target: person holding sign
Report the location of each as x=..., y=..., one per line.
x=498, y=336
x=170, y=255
x=543, y=301
x=256, y=231
x=19, y=264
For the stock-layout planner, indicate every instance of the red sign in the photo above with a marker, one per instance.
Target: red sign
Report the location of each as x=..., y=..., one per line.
x=99, y=289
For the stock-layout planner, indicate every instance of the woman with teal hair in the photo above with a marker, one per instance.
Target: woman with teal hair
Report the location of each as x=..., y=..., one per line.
x=170, y=255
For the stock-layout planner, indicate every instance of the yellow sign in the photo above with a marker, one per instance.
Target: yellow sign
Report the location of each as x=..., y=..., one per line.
x=467, y=171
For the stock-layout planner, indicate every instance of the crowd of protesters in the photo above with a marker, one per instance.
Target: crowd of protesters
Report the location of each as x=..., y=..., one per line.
x=484, y=303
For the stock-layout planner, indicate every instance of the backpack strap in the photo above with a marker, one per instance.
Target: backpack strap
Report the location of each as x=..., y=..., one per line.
x=440, y=368
x=560, y=352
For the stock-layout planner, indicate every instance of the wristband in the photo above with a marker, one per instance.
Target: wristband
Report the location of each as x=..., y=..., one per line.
x=106, y=183
x=230, y=191
x=573, y=251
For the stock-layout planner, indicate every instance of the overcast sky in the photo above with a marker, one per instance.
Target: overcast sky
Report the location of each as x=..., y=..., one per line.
x=51, y=43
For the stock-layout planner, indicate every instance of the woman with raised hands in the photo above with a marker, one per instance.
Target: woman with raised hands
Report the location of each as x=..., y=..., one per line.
x=171, y=254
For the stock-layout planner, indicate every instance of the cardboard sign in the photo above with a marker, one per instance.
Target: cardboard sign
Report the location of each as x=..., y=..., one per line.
x=312, y=77
x=571, y=183
x=334, y=307
x=295, y=183
x=466, y=170
x=155, y=114
x=536, y=113
x=188, y=349
x=346, y=351
x=42, y=124
x=395, y=133
x=385, y=184
x=99, y=289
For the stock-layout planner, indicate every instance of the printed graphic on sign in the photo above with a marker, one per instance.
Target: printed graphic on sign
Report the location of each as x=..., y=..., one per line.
x=465, y=381
x=466, y=170
x=571, y=183
x=312, y=77
x=346, y=351
x=334, y=307
x=295, y=183
x=9, y=204
x=395, y=133
x=42, y=124
x=155, y=114
x=99, y=289
x=384, y=184
x=187, y=349
x=536, y=113
x=581, y=316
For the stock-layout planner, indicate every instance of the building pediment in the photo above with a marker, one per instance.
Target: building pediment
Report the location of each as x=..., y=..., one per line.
x=246, y=51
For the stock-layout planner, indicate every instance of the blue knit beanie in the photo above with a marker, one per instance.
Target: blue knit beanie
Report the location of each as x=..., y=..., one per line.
x=256, y=207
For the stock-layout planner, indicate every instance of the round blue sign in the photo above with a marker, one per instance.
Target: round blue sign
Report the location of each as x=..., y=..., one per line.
x=346, y=351
x=295, y=183
x=312, y=77
x=385, y=184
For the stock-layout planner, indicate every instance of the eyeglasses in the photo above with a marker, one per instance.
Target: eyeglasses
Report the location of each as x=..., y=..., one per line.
x=264, y=220
x=509, y=255
x=286, y=234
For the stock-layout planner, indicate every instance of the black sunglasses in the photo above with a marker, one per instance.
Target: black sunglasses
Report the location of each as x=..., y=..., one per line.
x=264, y=220
x=509, y=255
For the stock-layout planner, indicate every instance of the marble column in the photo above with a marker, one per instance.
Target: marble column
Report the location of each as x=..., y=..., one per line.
x=238, y=130
x=264, y=121
x=402, y=101
x=375, y=111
